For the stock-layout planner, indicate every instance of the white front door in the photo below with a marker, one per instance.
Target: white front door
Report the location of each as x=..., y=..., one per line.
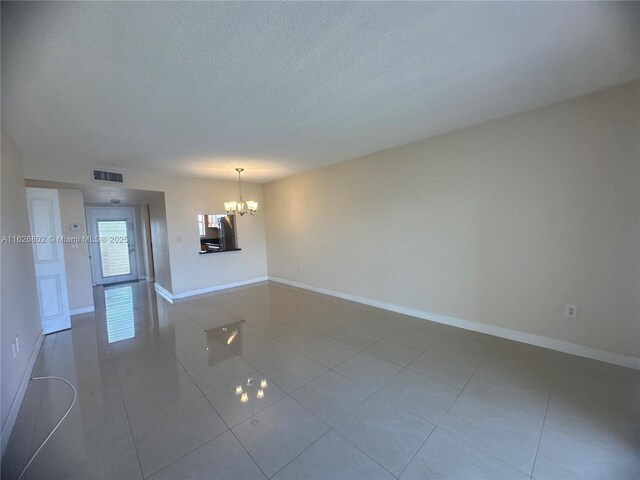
x=48, y=255
x=113, y=257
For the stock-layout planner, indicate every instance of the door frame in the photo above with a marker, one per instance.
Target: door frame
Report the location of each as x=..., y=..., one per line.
x=95, y=258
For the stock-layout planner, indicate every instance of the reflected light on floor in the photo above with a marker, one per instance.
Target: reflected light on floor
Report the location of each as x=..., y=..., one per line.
x=119, y=313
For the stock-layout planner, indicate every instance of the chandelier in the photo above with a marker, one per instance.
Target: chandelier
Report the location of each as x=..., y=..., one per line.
x=249, y=387
x=241, y=206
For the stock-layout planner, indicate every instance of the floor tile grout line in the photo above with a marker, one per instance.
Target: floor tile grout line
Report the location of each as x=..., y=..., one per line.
x=418, y=451
x=155, y=417
x=466, y=442
x=320, y=363
x=433, y=379
x=255, y=412
x=402, y=369
x=358, y=406
x=388, y=360
x=229, y=429
x=274, y=403
x=459, y=393
x=133, y=439
x=481, y=449
x=221, y=387
x=438, y=423
x=323, y=373
x=331, y=427
x=302, y=452
x=186, y=454
x=297, y=403
x=347, y=378
x=482, y=364
x=380, y=388
x=364, y=453
x=326, y=366
x=435, y=423
x=285, y=317
x=307, y=356
x=247, y=451
x=544, y=421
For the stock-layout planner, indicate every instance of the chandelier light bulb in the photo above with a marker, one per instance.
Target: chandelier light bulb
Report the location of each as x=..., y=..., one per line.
x=244, y=398
x=238, y=389
x=263, y=383
x=241, y=206
x=260, y=393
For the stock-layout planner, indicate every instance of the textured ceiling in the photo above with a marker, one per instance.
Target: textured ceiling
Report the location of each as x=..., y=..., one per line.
x=279, y=88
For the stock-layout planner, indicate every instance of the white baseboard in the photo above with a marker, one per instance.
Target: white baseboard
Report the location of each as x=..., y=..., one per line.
x=80, y=311
x=163, y=292
x=170, y=297
x=551, y=343
x=215, y=288
x=22, y=390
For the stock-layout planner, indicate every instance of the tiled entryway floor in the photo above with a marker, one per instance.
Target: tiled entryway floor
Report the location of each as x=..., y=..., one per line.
x=349, y=391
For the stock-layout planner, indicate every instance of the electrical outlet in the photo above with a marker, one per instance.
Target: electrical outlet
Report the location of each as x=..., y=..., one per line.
x=571, y=311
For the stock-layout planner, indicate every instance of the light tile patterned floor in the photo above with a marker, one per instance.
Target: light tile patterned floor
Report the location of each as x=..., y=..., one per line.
x=352, y=392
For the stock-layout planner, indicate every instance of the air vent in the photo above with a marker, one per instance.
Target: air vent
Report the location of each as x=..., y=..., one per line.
x=104, y=176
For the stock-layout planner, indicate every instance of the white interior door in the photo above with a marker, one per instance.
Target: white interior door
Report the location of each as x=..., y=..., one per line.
x=113, y=257
x=48, y=255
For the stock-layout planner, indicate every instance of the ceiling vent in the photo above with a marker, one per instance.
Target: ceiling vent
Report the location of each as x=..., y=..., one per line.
x=106, y=177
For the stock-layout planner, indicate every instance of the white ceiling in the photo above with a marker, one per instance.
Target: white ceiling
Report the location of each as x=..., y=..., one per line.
x=278, y=88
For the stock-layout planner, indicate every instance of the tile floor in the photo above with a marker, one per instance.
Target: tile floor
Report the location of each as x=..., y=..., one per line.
x=351, y=392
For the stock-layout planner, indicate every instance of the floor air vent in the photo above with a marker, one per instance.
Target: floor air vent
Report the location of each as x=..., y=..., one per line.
x=104, y=176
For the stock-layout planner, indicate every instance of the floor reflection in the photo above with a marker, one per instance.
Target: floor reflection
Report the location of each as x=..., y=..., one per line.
x=119, y=313
x=252, y=390
x=228, y=334
x=220, y=339
x=220, y=386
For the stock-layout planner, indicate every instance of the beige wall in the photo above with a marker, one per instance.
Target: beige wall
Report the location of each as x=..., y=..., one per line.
x=76, y=255
x=176, y=242
x=20, y=314
x=192, y=197
x=145, y=245
x=503, y=223
x=160, y=239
